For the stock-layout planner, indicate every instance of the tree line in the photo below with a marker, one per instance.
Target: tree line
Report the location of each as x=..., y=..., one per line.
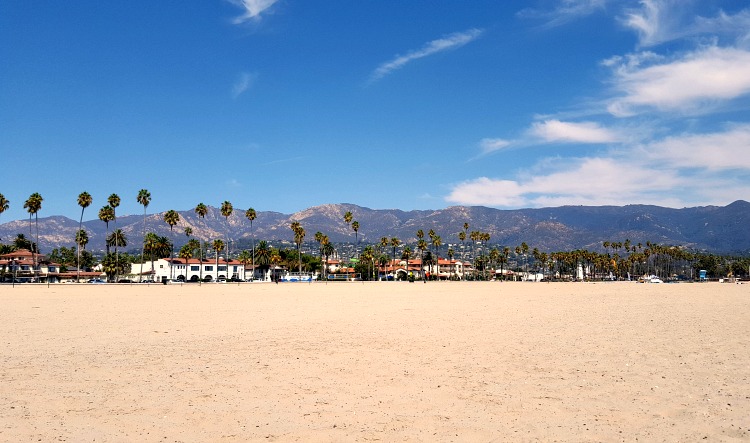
x=620, y=259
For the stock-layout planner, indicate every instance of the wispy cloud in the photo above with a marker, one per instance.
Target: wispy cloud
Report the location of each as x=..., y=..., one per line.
x=707, y=168
x=660, y=21
x=252, y=9
x=564, y=11
x=556, y=131
x=243, y=83
x=693, y=81
x=448, y=42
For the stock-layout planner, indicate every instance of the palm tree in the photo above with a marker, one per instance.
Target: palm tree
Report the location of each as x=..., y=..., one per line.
x=263, y=255
x=250, y=215
x=462, y=237
x=201, y=210
x=106, y=214
x=144, y=198
x=84, y=200
x=217, y=246
x=82, y=239
x=348, y=220
x=226, y=211
x=116, y=238
x=327, y=250
x=421, y=245
x=355, y=228
x=405, y=255
x=450, y=259
x=186, y=253
x=4, y=204
x=33, y=205
x=299, y=236
x=171, y=218
x=395, y=242
x=244, y=257
x=437, y=242
x=114, y=201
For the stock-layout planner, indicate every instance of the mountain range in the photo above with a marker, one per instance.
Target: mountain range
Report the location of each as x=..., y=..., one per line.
x=717, y=229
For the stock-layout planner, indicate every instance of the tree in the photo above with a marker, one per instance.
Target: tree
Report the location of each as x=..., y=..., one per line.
x=33, y=205
x=114, y=201
x=4, y=204
x=106, y=214
x=299, y=236
x=171, y=218
x=327, y=250
x=348, y=220
x=462, y=237
x=263, y=255
x=437, y=242
x=226, y=211
x=450, y=260
x=117, y=238
x=82, y=239
x=84, y=200
x=395, y=242
x=144, y=198
x=217, y=246
x=201, y=210
x=405, y=255
x=250, y=215
x=421, y=245
x=355, y=228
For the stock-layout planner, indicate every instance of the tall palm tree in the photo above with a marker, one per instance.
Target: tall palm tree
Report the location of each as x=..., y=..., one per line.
x=450, y=259
x=33, y=205
x=106, y=214
x=437, y=242
x=171, y=218
x=395, y=242
x=299, y=236
x=217, y=246
x=82, y=239
x=114, y=201
x=201, y=210
x=250, y=215
x=327, y=250
x=84, y=200
x=144, y=198
x=421, y=245
x=4, y=204
x=355, y=228
x=226, y=211
x=116, y=238
x=405, y=255
x=263, y=255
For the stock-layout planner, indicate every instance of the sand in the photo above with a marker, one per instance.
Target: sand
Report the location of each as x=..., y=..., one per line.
x=380, y=361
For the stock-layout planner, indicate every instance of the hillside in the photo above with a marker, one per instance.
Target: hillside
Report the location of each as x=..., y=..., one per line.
x=720, y=229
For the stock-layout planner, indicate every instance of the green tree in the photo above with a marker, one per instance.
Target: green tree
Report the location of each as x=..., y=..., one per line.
x=144, y=199
x=82, y=239
x=299, y=236
x=226, y=211
x=217, y=246
x=171, y=218
x=201, y=210
x=106, y=214
x=250, y=214
x=33, y=205
x=4, y=204
x=84, y=201
x=263, y=255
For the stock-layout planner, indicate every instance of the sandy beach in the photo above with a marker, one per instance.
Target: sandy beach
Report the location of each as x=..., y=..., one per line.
x=380, y=361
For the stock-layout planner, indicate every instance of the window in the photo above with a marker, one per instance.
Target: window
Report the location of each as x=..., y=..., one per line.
x=222, y=268
x=195, y=268
x=209, y=268
x=234, y=268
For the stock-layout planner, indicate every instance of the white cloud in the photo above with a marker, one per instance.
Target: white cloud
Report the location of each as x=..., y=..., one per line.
x=685, y=170
x=243, y=83
x=714, y=152
x=569, y=132
x=252, y=9
x=660, y=21
x=698, y=79
x=565, y=11
x=489, y=145
x=451, y=41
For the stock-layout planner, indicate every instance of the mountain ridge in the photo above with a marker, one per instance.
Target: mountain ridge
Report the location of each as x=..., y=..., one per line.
x=718, y=229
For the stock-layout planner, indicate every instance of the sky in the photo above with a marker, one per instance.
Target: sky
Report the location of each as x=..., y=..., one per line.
x=281, y=105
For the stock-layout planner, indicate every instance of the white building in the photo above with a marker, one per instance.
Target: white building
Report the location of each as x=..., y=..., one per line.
x=193, y=270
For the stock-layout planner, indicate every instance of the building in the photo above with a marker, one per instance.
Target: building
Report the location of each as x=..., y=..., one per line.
x=165, y=269
x=19, y=265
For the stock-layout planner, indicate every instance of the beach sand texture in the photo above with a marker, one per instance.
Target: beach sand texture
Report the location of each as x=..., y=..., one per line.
x=379, y=361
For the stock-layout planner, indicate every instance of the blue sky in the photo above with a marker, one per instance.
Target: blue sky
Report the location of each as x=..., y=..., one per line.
x=286, y=104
